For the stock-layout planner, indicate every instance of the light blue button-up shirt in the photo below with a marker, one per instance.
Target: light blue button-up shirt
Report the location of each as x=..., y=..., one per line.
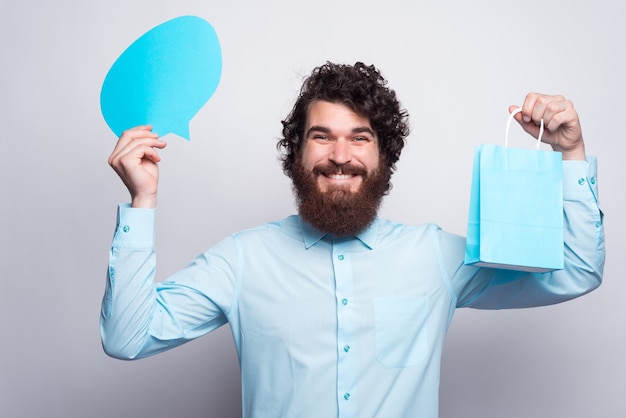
x=330, y=327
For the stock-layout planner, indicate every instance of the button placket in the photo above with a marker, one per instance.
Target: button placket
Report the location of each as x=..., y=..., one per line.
x=346, y=323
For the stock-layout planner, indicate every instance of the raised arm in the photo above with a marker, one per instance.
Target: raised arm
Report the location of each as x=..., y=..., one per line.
x=129, y=297
x=583, y=222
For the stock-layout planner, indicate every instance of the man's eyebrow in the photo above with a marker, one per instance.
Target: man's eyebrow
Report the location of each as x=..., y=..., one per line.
x=317, y=128
x=363, y=129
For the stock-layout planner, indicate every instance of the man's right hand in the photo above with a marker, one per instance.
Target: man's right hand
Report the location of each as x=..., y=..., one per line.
x=135, y=159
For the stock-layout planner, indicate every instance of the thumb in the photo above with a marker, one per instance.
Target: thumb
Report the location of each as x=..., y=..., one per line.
x=525, y=121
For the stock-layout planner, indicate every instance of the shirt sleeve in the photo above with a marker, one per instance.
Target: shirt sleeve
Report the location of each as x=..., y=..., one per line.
x=141, y=317
x=488, y=288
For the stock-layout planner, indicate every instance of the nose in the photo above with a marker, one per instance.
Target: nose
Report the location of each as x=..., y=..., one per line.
x=340, y=153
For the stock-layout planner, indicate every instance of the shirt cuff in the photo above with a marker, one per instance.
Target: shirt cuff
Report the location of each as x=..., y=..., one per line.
x=580, y=180
x=134, y=228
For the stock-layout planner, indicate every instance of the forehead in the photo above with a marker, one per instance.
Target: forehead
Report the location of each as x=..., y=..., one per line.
x=333, y=114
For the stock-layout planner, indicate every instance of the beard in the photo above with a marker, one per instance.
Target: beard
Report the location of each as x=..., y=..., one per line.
x=339, y=211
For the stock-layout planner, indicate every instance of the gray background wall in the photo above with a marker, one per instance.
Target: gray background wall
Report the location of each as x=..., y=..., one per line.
x=456, y=66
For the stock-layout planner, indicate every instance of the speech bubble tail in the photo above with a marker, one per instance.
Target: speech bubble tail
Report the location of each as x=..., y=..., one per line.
x=182, y=131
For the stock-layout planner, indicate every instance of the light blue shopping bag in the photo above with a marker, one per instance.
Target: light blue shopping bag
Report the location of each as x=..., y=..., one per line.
x=516, y=208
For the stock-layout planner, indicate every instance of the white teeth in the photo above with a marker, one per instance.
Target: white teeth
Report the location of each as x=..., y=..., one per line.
x=340, y=176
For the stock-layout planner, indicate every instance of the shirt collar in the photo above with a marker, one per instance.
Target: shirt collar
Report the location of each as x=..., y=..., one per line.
x=312, y=236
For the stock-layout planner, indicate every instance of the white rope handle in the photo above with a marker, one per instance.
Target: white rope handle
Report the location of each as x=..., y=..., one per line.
x=508, y=125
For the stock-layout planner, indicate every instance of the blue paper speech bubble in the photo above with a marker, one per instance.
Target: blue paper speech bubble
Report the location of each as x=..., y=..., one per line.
x=163, y=78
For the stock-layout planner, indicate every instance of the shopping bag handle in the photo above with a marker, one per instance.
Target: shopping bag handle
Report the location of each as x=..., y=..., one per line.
x=508, y=125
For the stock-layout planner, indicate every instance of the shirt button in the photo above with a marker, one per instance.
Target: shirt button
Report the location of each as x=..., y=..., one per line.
x=346, y=396
x=344, y=302
x=598, y=224
x=581, y=181
x=126, y=228
x=346, y=348
x=340, y=256
x=592, y=180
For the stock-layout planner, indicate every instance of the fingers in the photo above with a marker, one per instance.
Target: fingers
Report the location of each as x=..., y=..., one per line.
x=556, y=111
x=562, y=126
x=140, y=142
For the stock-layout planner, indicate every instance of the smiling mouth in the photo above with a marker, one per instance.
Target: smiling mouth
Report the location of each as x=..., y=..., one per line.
x=334, y=172
x=340, y=176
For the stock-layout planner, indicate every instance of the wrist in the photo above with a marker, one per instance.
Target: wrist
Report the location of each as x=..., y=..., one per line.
x=144, y=202
x=575, y=153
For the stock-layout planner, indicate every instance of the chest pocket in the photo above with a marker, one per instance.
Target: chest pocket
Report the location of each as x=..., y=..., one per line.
x=402, y=337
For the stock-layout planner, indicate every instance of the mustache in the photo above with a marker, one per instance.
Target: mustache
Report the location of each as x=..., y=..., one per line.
x=329, y=168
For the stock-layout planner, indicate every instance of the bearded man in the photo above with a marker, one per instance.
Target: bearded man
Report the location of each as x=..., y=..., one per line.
x=336, y=312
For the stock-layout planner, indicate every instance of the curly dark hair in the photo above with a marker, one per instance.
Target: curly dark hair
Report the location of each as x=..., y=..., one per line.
x=365, y=91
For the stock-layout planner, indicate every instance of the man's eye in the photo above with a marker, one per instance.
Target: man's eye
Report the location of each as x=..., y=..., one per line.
x=360, y=139
x=321, y=137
